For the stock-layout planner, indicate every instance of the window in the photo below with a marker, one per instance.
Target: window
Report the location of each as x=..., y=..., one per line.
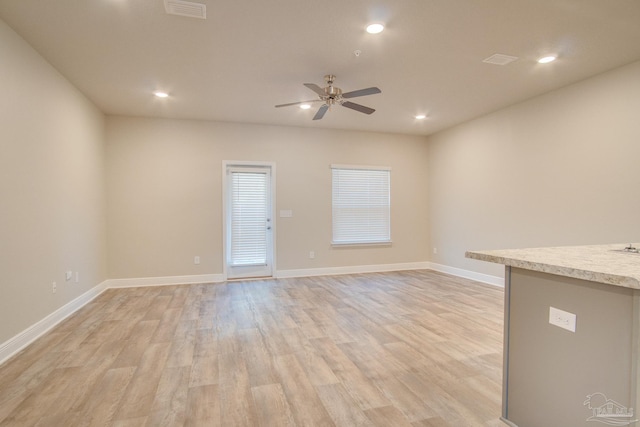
x=361, y=204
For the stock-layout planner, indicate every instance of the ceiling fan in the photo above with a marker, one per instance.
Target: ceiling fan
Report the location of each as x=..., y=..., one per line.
x=332, y=95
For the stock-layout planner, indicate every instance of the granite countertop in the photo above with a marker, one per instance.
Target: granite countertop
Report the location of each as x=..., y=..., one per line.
x=602, y=263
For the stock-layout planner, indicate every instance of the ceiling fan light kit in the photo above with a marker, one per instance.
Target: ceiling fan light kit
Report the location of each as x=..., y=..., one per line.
x=332, y=95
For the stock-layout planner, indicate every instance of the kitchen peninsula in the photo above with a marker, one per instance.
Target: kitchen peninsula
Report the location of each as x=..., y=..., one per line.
x=572, y=335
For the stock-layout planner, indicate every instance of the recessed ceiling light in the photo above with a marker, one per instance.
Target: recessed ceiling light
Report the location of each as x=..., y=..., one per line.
x=547, y=59
x=421, y=116
x=161, y=94
x=305, y=106
x=375, y=28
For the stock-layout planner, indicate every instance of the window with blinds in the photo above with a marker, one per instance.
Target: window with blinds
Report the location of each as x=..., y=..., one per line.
x=361, y=203
x=249, y=215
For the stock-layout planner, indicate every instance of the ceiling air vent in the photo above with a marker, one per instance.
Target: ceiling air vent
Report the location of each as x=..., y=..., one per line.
x=185, y=8
x=499, y=59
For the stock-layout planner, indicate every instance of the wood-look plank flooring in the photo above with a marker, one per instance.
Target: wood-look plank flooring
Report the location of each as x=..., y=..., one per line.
x=410, y=349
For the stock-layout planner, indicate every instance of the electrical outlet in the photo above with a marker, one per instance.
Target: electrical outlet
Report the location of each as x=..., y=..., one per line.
x=562, y=319
x=54, y=287
x=312, y=254
x=68, y=275
x=196, y=259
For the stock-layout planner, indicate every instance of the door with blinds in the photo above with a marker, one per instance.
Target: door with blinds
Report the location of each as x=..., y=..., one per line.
x=249, y=228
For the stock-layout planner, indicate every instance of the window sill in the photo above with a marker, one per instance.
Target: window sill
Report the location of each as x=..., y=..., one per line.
x=360, y=244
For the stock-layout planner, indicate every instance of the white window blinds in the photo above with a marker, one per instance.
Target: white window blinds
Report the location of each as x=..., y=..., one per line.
x=249, y=217
x=361, y=203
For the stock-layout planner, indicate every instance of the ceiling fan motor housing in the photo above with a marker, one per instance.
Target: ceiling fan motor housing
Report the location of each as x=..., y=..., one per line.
x=333, y=94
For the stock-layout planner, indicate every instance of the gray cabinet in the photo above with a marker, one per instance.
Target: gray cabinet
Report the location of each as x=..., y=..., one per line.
x=554, y=377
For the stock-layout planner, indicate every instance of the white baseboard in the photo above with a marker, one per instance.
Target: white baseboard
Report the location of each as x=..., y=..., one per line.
x=355, y=269
x=309, y=272
x=163, y=281
x=468, y=274
x=26, y=337
x=35, y=331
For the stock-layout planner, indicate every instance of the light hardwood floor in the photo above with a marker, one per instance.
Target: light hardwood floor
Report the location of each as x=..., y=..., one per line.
x=414, y=348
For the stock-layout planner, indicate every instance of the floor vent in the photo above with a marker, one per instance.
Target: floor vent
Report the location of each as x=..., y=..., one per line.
x=185, y=8
x=499, y=59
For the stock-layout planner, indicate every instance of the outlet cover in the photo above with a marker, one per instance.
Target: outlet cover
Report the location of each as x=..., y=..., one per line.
x=562, y=319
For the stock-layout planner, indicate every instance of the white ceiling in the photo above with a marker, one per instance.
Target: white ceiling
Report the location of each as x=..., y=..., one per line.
x=249, y=55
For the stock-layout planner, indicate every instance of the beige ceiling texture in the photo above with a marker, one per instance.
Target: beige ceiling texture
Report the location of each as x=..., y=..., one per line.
x=249, y=55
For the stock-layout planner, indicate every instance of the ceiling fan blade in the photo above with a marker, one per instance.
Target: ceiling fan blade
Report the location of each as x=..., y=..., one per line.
x=297, y=103
x=361, y=92
x=358, y=107
x=317, y=89
x=321, y=111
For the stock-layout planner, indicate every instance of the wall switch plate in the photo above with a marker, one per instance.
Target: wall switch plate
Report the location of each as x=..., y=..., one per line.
x=69, y=275
x=196, y=260
x=312, y=254
x=562, y=319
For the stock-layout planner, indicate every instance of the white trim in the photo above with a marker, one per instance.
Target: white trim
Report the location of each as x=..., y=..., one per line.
x=355, y=269
x=13, y=345
x=310, y=272
x=165, y=281
x=468, y=274
x=388, y=243
x=361, y=167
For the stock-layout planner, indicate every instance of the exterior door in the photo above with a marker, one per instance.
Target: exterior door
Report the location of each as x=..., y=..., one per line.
x=249, y=228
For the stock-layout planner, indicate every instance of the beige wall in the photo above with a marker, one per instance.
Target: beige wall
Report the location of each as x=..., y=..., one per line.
x=52, y=188
x=165, y=193
x=560, y=169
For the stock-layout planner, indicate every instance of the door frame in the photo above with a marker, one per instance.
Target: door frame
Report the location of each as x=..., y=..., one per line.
x=225, y=197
